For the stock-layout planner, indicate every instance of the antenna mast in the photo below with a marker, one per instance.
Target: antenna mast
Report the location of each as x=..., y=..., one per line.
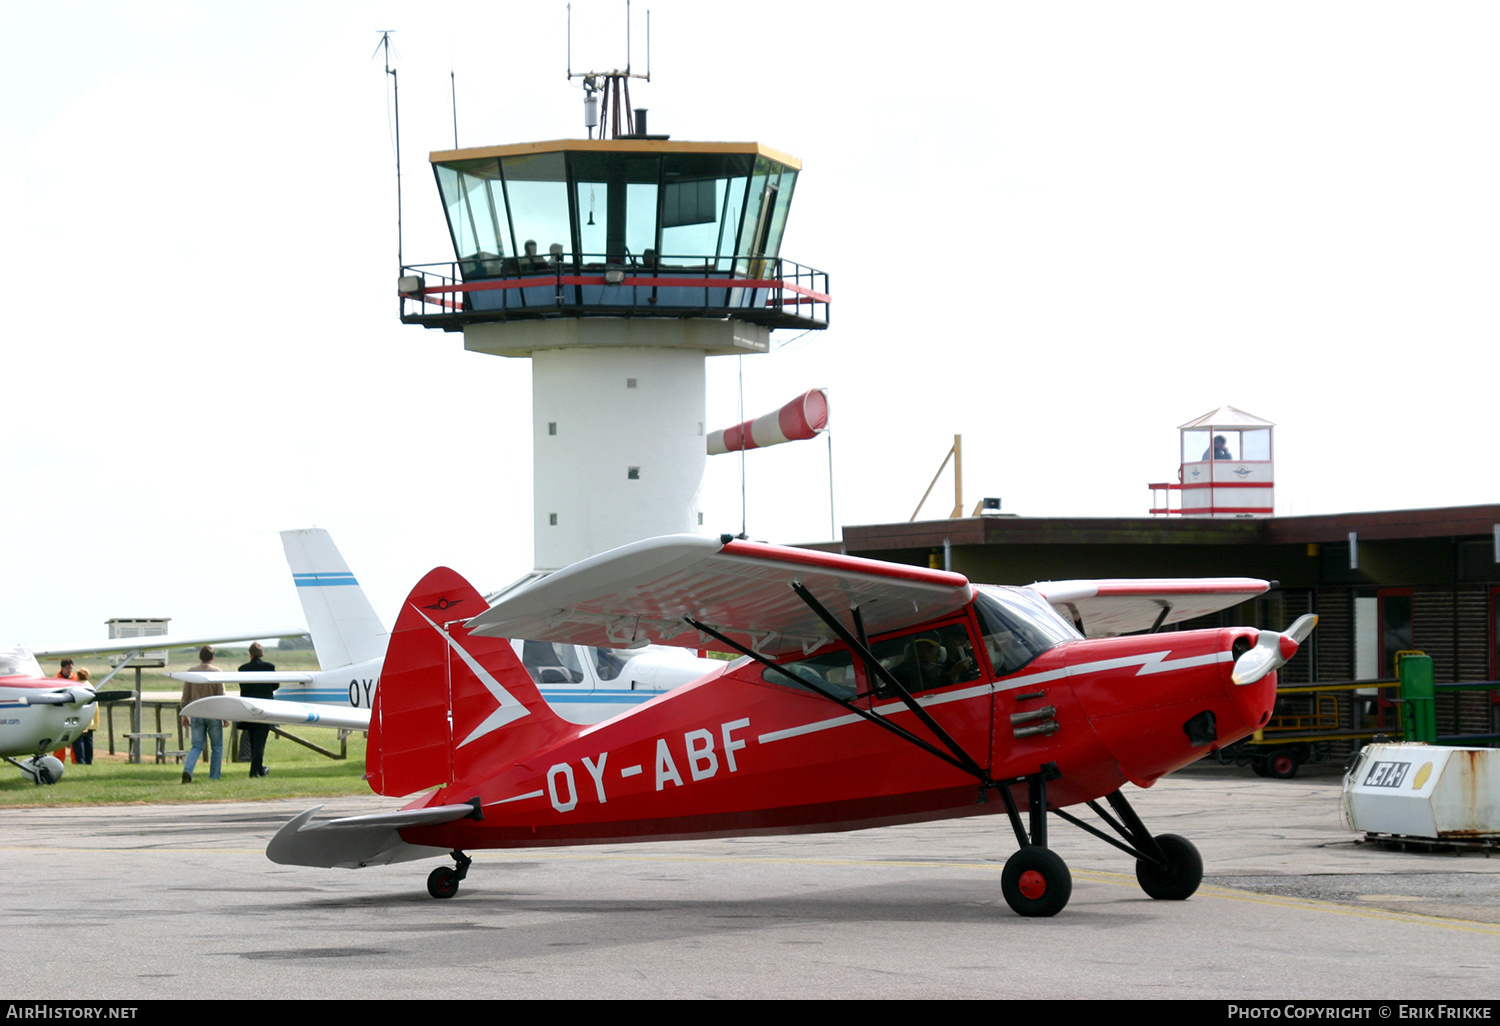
x=385, y=43
x=614, y=85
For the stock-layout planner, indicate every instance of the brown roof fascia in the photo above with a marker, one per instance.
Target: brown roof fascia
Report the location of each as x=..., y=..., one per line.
x=1453, y=521
x=1052, y=531
x=1385, y=525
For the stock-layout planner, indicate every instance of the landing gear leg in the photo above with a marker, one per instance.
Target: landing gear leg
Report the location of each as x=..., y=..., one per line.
x=1167, y=866
x=443, y=881
x=1036, y=881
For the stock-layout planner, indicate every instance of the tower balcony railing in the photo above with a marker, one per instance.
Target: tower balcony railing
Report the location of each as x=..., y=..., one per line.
x=770, y=291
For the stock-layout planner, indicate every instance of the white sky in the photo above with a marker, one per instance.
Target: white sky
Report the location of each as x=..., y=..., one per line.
x=1058, y=229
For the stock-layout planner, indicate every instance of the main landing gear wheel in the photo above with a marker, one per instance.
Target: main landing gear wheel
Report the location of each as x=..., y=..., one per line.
x=1179, y=878
x=1036, y=882
x=442, y=882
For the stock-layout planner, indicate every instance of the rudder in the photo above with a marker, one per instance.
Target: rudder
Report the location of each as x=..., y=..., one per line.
x=344, y=627
x=433, y=665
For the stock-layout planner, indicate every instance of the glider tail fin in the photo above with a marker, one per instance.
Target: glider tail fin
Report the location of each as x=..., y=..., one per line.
x=451, y=707
x=344, y=627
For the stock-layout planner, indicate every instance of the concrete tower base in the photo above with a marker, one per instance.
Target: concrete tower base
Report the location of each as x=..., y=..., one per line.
x=617, y=424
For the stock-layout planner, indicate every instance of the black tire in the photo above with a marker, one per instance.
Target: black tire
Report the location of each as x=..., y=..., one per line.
x=1036, y=882
x=442, y=882
x=1282, y=764
x=1258, y=766
x=1179, y=878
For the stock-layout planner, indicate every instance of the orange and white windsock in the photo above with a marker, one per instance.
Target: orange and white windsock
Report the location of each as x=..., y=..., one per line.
x=804, y=417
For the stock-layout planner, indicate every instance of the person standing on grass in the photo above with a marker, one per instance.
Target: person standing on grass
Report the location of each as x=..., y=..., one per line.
x=64, y=672
x=257, y=732
x=204, y=731
x=83, y=745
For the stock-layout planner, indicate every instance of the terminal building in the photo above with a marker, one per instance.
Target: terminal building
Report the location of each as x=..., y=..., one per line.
x=1381, y=582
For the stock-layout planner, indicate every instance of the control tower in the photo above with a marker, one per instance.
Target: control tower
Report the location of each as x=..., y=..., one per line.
x=617, y=266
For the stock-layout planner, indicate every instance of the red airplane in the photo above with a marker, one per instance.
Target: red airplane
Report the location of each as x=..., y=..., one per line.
x=870, y=694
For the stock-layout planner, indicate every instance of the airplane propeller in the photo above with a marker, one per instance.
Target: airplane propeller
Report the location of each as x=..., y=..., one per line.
x=113, y=696
x=1272, y=651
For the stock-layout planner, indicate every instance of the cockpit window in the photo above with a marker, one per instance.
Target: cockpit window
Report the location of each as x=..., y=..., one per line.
x=832, y=672
x=550, y=663
x=1018, y=625
x=927, y=659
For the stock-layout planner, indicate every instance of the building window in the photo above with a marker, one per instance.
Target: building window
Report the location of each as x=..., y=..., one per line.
x=551, y=427
x=633, y=473
x=552, y=519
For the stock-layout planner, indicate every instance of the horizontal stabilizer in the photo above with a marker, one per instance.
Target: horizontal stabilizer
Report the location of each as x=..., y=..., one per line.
x=1106, y=608
x=271, y=710
x=358, y=841
x=248, y=677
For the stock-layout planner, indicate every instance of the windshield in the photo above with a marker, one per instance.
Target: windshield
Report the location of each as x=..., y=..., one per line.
x=18, y=662
x=1018, y=625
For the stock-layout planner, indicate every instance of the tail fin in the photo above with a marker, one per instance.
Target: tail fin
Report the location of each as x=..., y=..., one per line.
x=345, y=629
x=451, y=706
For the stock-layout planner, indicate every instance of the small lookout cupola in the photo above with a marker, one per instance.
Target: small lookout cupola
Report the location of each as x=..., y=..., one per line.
x=1225, y=468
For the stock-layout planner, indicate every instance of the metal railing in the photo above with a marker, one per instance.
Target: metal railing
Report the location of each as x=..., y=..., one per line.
x=776, y=292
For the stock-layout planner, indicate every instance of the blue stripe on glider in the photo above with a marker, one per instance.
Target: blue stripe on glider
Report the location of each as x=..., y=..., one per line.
x=329, y=580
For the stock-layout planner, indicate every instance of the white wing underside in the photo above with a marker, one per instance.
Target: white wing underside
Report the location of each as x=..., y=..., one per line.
x=643, y=592
x=1110, y=607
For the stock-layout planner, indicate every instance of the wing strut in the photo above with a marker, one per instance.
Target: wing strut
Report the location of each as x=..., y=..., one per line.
x=871, y=663
x=1166, y=609
x=879, y=721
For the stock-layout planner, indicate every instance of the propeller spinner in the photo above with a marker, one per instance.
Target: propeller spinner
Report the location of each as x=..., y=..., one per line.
x=1272, y=651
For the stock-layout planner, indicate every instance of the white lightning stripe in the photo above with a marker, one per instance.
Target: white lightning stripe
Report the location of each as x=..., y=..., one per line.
x=518, y=798
x=1149, y=662
x=1167, y=666
x=510, y=708
x=883, y=710
x=809, y=728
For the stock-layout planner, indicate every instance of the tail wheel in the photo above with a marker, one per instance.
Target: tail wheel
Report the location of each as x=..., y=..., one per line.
x=1282, y=764
x=442, y=882
x=1179, y=878
x=1036, y=882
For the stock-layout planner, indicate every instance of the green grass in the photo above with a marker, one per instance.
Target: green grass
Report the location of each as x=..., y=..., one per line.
x=296, y=772
x=111, y=780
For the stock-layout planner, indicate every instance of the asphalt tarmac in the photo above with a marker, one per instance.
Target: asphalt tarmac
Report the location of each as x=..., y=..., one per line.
x=170, y=901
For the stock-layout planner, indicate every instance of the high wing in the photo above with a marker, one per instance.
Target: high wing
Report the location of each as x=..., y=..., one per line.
x=642, y=593
x=153, y=642
x=1105, y=608
x=271, y=710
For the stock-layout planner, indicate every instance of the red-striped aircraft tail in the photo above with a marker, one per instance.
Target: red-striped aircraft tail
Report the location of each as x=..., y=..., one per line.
x=451, y=707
